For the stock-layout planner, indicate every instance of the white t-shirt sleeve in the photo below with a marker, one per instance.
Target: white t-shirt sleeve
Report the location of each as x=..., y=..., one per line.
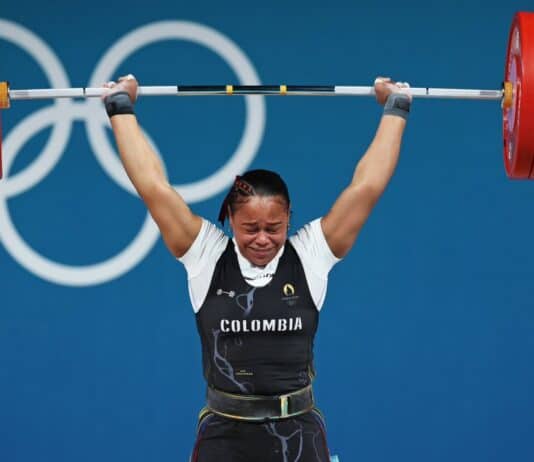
x=200, y=260
x=316, y=257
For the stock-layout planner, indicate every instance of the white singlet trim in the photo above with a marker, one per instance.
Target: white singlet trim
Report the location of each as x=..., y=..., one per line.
x=309, y=243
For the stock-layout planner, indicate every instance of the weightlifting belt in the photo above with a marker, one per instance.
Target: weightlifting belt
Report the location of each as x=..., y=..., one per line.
x=260, y=408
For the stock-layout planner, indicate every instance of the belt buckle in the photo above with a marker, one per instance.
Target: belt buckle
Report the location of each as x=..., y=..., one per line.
x=284, y=405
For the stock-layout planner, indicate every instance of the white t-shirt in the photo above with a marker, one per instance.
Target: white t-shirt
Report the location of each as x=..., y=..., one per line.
x=309, y=243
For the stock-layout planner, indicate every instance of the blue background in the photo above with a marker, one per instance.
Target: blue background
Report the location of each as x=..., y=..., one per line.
x=428, y=326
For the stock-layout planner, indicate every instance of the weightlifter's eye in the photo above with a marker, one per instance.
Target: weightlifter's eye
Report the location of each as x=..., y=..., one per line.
x=251, y=229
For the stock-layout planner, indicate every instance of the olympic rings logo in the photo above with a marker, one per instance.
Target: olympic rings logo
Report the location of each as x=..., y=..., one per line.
x=62, y=113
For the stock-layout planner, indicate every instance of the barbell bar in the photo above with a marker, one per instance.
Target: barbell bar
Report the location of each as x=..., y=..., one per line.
x=516, y=96
x=266, y=90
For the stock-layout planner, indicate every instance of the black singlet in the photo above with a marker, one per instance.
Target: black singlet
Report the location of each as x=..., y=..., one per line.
x=258, y=340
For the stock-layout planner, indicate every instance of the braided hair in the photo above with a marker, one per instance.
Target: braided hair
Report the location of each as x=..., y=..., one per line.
x=253, y=183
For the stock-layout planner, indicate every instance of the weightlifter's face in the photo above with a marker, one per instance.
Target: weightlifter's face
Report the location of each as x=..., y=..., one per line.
x=260, y=227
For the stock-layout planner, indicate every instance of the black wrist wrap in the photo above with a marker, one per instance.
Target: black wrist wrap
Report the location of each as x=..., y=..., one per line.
x=398, y=104
x=118, y=103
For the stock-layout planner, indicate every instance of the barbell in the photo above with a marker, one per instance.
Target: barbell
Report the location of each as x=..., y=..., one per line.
x=516, y=96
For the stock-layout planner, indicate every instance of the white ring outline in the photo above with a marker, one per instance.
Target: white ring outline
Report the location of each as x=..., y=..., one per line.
x=62, y=114
x=146, y=238
x=239, y=63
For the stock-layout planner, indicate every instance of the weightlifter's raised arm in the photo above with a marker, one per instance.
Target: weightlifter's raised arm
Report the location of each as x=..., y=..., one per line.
x=373, y=172
x=177, y=223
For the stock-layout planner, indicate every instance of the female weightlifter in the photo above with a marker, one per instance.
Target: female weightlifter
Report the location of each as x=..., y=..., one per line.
x=257, y=295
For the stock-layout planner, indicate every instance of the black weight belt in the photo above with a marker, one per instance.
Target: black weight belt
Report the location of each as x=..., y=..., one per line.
x=260, y=408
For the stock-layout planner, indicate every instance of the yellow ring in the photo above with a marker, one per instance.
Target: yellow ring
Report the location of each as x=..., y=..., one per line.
x=283, y=90
x=4, y=95
x=229, y=89
x=508, y=95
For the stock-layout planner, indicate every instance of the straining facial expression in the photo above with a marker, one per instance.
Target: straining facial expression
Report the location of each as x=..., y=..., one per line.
x=260, y=226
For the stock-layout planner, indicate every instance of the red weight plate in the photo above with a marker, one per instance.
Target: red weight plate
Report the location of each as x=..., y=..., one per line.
x=518, y=120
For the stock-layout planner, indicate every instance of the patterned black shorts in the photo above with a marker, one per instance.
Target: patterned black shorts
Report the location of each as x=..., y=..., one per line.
x=297, y=439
